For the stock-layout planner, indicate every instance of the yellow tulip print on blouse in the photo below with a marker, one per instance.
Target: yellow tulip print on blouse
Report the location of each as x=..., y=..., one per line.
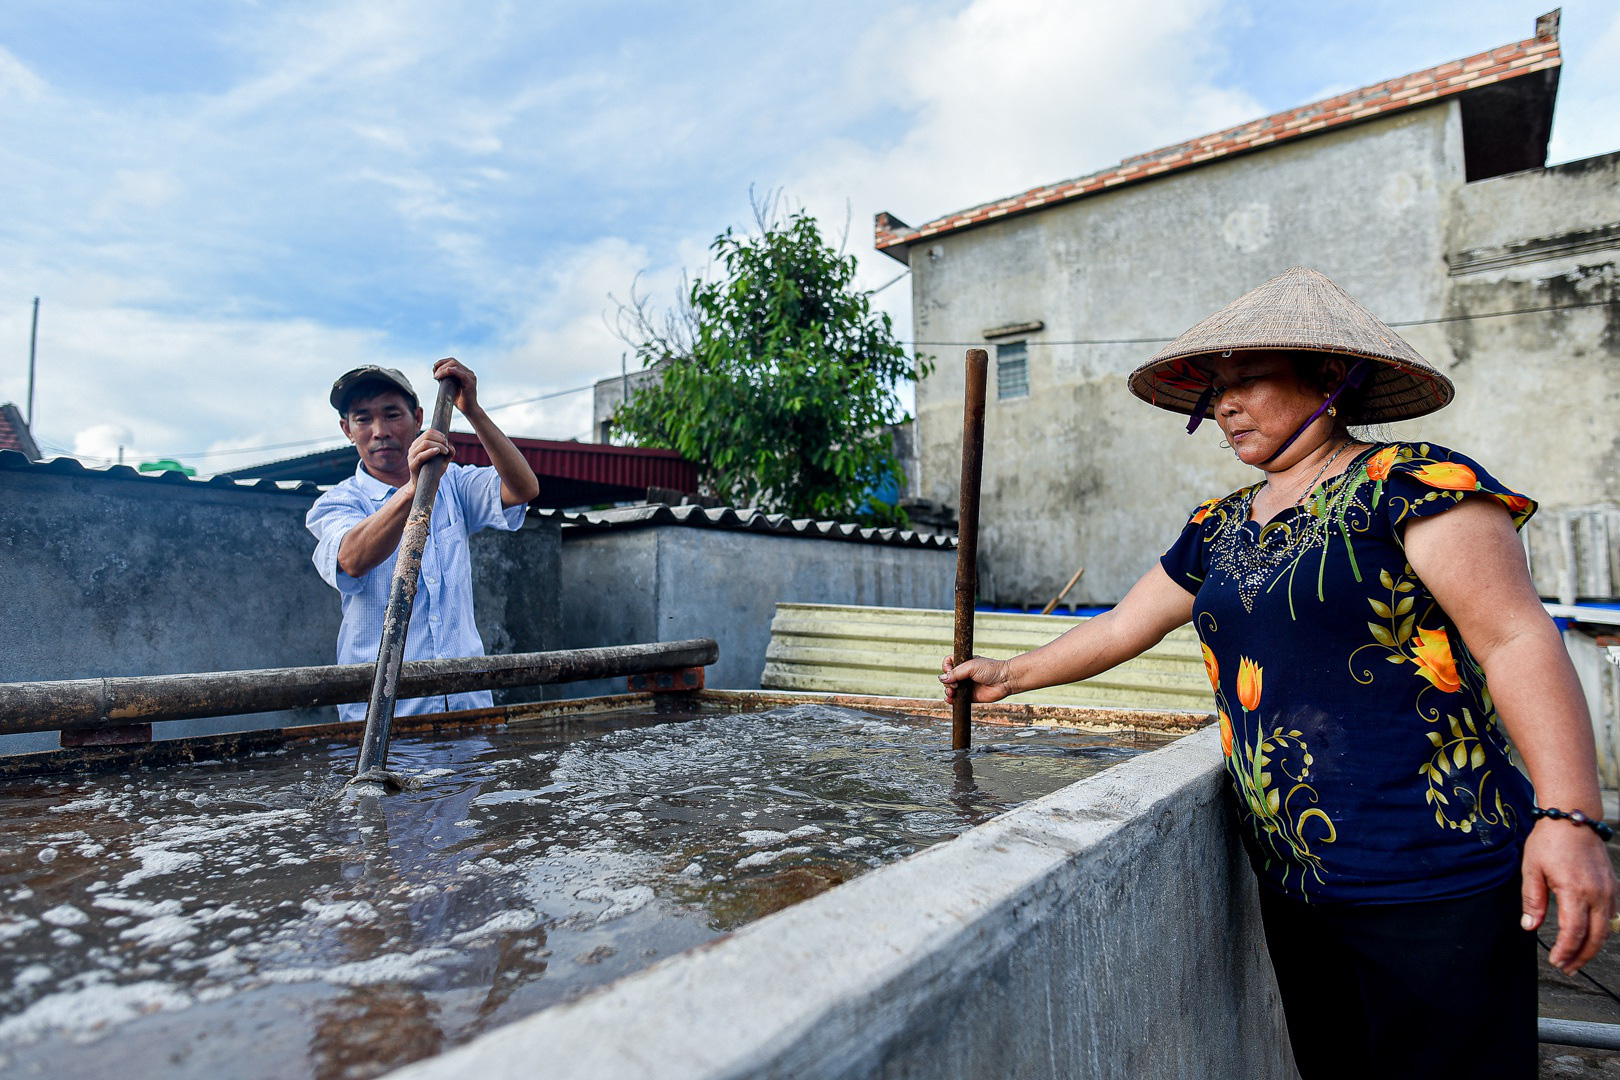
x=1360, y=738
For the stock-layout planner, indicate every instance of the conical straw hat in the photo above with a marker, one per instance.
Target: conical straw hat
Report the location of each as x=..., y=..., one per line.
x=1299, y=309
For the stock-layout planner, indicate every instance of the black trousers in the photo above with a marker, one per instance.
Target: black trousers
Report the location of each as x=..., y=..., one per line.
x=1432, y=990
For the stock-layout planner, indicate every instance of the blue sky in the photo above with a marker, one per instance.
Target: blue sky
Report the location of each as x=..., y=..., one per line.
x=224, y=205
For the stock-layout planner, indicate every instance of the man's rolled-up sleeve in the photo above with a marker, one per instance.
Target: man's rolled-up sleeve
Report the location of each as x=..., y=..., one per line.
x=330, y=519
x=479, y=488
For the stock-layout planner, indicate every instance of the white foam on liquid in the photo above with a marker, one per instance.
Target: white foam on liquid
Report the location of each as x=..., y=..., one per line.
x=65, y=915
x=507, y=922
x=90, y=1013
x=390, y=968
x=765, y=858
x=161, y=931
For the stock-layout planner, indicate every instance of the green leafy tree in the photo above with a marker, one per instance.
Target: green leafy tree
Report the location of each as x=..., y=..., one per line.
x=775, y=376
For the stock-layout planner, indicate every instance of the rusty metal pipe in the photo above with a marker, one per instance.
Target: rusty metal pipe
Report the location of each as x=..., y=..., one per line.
x=91, y=704
x=402, y=595
x=967, y=539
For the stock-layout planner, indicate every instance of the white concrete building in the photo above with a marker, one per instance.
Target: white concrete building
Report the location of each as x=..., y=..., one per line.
x=1426, y=196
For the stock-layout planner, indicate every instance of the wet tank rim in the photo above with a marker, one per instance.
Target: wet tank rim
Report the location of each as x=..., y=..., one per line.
x=1135, y=727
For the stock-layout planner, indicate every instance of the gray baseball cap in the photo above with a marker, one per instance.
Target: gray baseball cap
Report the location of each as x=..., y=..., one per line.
x=343, y=389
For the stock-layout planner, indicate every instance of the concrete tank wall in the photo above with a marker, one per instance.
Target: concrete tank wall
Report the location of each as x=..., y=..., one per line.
x=669, y=582
x=1109, y=930
x=108, y=574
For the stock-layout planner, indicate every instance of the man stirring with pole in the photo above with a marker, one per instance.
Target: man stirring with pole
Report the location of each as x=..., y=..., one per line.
x=359, y=522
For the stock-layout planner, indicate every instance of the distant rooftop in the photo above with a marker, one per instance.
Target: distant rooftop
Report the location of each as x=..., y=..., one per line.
x=571, y=473
x=747, y=520
x=14, y=433
x=623, y=518
x=1505, y=129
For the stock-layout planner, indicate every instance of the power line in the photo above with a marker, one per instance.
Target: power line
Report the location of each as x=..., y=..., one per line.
x=1582, y=973
x=1500, y=314
x=542, y=397
x=1075, y=341
x=886, y=284
x=255, y=449
x=302, y=442
x=195, y=453
x=1407, y=322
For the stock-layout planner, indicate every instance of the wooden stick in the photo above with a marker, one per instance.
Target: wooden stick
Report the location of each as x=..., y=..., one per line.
x=402, y=594
x=94, y=705
x=1058, y=599
x=967, y=539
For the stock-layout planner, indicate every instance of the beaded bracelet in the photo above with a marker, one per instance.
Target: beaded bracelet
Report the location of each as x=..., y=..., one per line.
x=1599, y=827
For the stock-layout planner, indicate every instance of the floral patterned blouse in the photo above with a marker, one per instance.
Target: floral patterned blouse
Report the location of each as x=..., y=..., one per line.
x=1359, y=734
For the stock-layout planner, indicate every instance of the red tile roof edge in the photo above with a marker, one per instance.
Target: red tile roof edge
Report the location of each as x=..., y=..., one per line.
x=1380, y=99
x=14, y=433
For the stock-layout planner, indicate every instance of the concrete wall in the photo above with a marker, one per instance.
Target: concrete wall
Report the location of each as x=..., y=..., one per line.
x=1108, y=930
x=1538, y=394
x=103, y=575
x=670, y=582
x=608, y=395
x=1082, y=473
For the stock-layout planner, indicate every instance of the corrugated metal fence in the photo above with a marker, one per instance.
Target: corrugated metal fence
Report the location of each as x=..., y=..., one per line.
x=831, y=648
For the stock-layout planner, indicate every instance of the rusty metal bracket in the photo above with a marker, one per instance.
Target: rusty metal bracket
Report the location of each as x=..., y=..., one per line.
x=121, y=735
x=664, y=682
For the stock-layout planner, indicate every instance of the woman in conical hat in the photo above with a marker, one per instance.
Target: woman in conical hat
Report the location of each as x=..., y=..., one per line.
x=1372, y=637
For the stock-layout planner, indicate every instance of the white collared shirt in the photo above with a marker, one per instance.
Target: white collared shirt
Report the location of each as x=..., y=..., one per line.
x=442, y=627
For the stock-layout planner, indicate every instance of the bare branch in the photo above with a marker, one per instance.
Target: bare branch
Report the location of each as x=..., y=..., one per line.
x=655, y=335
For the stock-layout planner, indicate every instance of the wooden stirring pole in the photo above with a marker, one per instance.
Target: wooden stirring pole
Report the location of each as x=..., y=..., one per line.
x=1058, y=599
x=967, y=539
x=401, y=595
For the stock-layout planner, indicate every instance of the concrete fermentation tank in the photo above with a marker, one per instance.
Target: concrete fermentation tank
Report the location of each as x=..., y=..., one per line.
x=1107, y=929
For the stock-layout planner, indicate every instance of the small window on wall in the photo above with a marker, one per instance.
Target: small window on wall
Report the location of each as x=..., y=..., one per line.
x=1012, y=370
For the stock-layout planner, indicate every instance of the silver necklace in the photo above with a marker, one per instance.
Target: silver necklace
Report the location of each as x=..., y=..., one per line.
x=1326, y=465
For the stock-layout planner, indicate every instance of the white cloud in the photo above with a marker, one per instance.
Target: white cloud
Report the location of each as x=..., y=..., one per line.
x=368, y=181
x=1586, y=122
x=1005, y=95
x=164, y=382
x=562, y=334
x=106, y=442
x=136, y=191
x=17, y=81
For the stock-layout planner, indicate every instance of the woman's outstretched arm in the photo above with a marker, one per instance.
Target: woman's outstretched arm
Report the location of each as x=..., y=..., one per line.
x=1471, y=560
x=1155, y=606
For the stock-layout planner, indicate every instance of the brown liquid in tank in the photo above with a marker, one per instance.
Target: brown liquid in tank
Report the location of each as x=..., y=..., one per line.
x=250, y=918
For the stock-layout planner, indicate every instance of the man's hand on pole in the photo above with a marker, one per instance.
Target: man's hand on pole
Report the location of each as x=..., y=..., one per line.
x=466, y=383
x=428, y=445
x=518, y=482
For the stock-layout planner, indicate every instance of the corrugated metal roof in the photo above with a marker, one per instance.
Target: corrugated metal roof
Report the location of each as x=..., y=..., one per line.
x=67, y=466
x=639, y=467
x=571, y=473
x=630, y=517
x=639, y=517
